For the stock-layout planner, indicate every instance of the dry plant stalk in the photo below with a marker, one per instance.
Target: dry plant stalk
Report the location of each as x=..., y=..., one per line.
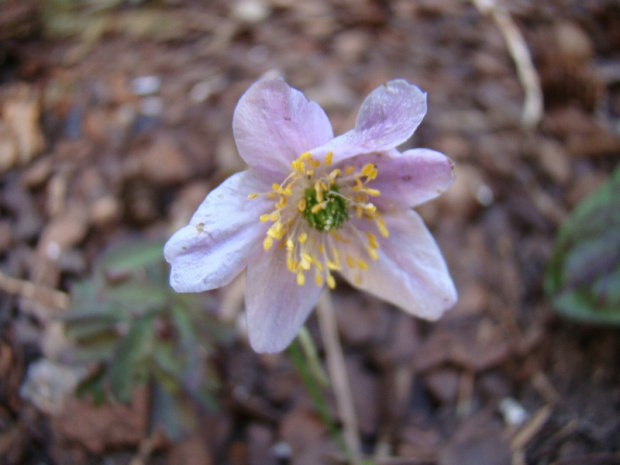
x=519, y=51
x=26, y=289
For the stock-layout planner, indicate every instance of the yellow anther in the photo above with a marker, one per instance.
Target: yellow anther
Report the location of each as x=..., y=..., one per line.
x=350, y=261
x=367, y=169
x=289, y=244
x=306, y=261
x=372, y=240
x=372, y=192
x=334, y=174
x=369, y=208
x=301, y=205
x=318, y=279
x=263, y=218
x=349, y=169
x=362, y=264
x=331, y=282
x=372, y=253
x=314, y=163
x=303, y=237
x=336, y=256
x=328, y=158
x=274, y=216
x=275, y=187
x=319, y=191
x=291, y=264
x=304, y=156
x=267, y=243
x=320, y=249
x=301, y=279
x=373, y=174
x=281, y=203
x=298, y=166
x=381, y=226
x=316, y=208
x=253, y=195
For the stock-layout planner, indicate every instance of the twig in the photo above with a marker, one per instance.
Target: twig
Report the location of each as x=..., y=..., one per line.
x=29, y=290
x=338, y=372
x=533, y=103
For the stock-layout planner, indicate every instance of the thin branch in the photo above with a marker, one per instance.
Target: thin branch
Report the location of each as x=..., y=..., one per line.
x=517, y=47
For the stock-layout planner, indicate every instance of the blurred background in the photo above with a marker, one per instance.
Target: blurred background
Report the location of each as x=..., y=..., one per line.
x=115, y=122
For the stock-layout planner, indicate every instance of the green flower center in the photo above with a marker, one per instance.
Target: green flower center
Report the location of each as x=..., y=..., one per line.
x=325, y=209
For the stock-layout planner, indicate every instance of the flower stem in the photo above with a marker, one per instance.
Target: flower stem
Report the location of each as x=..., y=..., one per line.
x=311, y=383
x=338, y=373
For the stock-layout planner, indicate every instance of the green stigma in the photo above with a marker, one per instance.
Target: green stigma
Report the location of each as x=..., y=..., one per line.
x=330, y=213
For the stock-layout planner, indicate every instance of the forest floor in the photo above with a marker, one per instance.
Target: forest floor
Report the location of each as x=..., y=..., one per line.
x=116, y=122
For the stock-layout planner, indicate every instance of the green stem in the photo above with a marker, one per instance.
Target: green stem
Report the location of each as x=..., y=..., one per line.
x=311, y=382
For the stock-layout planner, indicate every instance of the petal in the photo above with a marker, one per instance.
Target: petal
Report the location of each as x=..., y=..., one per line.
x=276, y=306
x=410, y=178
x=410, y=271
x=387, y=118
x=273, y=124
x=222, y=236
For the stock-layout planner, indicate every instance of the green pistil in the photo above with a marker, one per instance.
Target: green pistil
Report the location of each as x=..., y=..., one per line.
x=333, y=214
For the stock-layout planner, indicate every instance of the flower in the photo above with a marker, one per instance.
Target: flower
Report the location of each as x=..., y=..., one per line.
x=311, y=204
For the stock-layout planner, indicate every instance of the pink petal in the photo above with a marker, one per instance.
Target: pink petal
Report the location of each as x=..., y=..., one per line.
x=410, y=272
x=222, y=236
x=276, y=306
x=273, y=124
x=387, y=118
x=410, y=178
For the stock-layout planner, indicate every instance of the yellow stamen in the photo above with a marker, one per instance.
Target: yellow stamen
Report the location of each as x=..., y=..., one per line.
x=267, y=243
x=381, y=226
x=328, y=158
x=367, y=169
x=303, y=237
x=253, y=195
x=372, y=240
x=331, y=282
x=301, y=279
x=263, y=218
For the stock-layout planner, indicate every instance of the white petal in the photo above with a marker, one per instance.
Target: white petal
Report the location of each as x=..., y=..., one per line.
x=222, y=236
x=410, y=272
x=410, y=178
x=276, y=306
x=273, y=124
x=387, y=118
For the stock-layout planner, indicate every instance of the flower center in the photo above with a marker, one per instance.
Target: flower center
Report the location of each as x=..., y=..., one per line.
x=311, y=216
x=325, y=209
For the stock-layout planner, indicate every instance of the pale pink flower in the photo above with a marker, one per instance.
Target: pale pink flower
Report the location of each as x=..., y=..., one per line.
x=311, y=204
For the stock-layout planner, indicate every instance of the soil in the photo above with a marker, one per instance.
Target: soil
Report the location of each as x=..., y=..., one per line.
x=115, y=123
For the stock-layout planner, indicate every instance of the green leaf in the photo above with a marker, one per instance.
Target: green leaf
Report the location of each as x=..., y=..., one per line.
x=583, y=276
x=93, y=385
x=131, y=256
x=129, y=351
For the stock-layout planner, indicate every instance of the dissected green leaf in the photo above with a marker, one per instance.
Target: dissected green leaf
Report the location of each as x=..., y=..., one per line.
x=93, y=385
x=130, y=350
x=583, y=277
x=131, y=256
